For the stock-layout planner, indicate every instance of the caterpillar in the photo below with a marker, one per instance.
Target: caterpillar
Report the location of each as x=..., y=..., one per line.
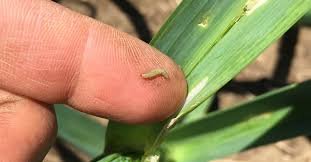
x=154, y=73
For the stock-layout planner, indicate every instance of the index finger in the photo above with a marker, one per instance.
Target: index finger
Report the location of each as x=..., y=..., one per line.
x=54, y=55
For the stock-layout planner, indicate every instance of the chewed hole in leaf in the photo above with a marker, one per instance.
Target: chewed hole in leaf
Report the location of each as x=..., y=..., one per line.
x=204, y=23
x=252, y=5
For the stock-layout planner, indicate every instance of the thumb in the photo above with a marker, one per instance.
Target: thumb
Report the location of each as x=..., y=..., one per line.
x=54, y=55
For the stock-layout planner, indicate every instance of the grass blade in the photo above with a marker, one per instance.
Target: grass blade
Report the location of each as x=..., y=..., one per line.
x=195, y=27
x=125, y=138
x=306, y=20
x=277, y=115
x=81, y=131
x=213, y=40
x=198, y=113
x=256, y=29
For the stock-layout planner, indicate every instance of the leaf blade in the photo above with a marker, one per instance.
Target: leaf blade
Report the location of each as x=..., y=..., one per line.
x=82, y=132
x=251, y=35
x=269, y=118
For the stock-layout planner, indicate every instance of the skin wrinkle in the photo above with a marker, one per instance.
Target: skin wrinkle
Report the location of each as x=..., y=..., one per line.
x=121, y=53
x=6, y=113
x=77, y=77
x=74, y=79
x=42, y=83
x=78, y=58
x=7, y=105
x=135, y=62
x=70, y=77
x=92, y=101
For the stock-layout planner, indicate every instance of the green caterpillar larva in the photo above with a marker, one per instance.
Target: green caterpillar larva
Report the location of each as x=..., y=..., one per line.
x=154, y=73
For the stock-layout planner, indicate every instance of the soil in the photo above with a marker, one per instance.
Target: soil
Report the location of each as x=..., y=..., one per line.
x=259, y=74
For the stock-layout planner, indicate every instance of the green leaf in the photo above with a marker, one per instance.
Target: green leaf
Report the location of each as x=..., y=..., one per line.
x=81, y=131
x=117, y=158
x=195, y=27
x=213, y=40
x=109, y=158
x=125, y=138
x=260, y=25
x=274, y=116
x=199, y=112
x=306, y=20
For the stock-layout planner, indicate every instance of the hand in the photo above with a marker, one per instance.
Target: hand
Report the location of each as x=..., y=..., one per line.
x=49, y=55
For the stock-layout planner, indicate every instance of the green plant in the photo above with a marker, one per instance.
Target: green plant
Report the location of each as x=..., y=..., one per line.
x=212, y=40
x=306, y=20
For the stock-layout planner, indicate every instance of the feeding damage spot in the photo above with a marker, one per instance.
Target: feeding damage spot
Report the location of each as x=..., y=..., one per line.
x=155, y=73
x=196, y=90
x=204, y=23
x=252, y=5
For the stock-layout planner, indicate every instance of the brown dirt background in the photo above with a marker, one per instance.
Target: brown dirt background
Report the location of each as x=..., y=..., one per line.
x=155, y=12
